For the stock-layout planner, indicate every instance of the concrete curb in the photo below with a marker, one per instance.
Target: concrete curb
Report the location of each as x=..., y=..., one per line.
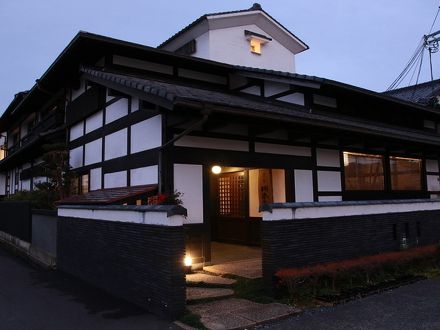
x=27, y=251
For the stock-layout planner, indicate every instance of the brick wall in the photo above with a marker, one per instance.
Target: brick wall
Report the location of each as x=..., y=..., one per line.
x=137, y=262
x=301, y=242
x=15, y=219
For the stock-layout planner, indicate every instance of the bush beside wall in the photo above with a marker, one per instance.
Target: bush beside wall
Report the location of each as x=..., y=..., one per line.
x=304, y=242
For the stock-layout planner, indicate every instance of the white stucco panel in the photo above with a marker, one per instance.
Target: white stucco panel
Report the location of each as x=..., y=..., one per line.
x=212, y=143
x=188, y=179
x=25, y=185
x=433, y=182
x=330, y=198
x=76, y=157
x=146, y=135
x=329, y=181
x=432, y=165
x=303, y=186
x=94, y=122
x=144, y=175
x=328, y=157
x=2, y=184
x=115, y=179
x=76, y=131
x=116, y=110
x=116, y=144
x=281, y=149
x=93, y=152
x=295, y=98
x=95, y=178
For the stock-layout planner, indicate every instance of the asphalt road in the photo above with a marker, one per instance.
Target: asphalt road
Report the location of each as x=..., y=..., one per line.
x=415, y=306
x=31, y=299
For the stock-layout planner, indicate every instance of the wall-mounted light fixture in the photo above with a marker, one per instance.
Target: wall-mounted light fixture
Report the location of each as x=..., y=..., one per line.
x=216, y=169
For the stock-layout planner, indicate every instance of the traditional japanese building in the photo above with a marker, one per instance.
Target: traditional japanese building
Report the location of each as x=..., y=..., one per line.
x=218, y=113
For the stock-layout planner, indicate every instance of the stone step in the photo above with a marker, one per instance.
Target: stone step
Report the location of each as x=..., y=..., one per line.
x=208, y=279
x=233, y=313
x=194, y=293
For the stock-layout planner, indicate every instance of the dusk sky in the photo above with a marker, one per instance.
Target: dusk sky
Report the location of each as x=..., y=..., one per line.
x=363, y=43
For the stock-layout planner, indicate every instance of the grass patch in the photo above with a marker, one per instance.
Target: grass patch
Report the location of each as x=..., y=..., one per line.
x=193, y=320
x=251, y=289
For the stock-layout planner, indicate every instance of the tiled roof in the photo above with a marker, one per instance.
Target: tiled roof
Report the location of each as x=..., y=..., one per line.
x=255, y=7
x=108, y=196
x=172, y=95
x=420, y=93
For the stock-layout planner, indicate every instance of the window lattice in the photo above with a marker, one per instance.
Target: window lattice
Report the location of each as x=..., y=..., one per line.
x=231, y=195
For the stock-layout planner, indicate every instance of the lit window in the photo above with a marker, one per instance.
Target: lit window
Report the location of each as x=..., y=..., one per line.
x=363, y=171
x=256, y=41
x=255, y=46
x=85, y=183
x=406, y=173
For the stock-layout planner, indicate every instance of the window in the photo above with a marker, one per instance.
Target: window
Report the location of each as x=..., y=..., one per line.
x=85, y=184
x=363, y=171
x=406, y=173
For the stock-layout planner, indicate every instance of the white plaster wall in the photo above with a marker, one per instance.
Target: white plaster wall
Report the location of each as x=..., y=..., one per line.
x=253, y=90
x=328, y=157
x=331, y=211
x=39, y=179
x=144, y=175
x=429, y=124
x=254, y=201
x=143, y=65
x=2, y=184
x=303, y=186
x=25, y=185
x=433, y=182
x=76, y=131
x=295, y=98
x=212, y=143
x=330, y=198
x=95, y=178
x=135, y=104
x=115, y=179
x=432, y=165
x=232, y=128
x=198, y=75
x=279, y=134
x=94, y=122
x=272, y=88
x=279, y=186
x=281, y=149
x=146, y=135
x=188, y=179
x=229, y=45
x=93, y=152
x=116, y=110
x=76, y=157
x=202, y=46
x=325, y=100
x=77, y=92
x=116, y=144
x=329, y=181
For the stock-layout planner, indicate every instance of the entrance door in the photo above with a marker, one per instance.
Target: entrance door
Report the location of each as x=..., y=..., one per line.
x=232, y=223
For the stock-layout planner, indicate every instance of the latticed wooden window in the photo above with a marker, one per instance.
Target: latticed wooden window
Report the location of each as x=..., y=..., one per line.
x=232, y=195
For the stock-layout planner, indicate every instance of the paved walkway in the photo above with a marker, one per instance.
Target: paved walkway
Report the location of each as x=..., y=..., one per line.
x=34, y=299
x=415, y=306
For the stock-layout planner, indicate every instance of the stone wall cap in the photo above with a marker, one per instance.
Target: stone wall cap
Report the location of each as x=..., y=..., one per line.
x=270, y=207
x=170, y=210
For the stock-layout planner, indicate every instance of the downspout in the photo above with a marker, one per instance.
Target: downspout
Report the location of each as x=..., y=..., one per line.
x=174, y=139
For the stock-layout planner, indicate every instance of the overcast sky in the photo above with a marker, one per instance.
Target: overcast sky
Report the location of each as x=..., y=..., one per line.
x=363, y=43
